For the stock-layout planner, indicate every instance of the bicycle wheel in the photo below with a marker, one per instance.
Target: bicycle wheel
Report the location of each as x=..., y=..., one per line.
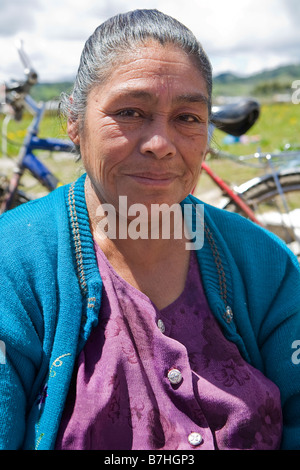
x=20, y=197
x=279, y=213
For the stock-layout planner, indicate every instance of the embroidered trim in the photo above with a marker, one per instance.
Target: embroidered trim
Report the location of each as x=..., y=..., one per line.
x=218, y=262
x=57, y=363
x=228, y=314
x=44, y=394
x=39, y=440
x=91, y=302
x=76, y=236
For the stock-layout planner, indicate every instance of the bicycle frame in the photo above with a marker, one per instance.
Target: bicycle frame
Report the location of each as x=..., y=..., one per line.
x=28, y=161
x=225, y=187
x=234, y=195
x=230, y=192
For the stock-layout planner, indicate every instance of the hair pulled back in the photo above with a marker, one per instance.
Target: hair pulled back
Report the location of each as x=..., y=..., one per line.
x=117, y=36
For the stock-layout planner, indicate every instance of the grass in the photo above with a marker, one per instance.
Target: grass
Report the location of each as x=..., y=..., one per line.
x=64, y=166
x=277, y=125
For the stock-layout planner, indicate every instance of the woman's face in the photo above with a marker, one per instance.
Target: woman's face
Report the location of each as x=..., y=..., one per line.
x=145, y=129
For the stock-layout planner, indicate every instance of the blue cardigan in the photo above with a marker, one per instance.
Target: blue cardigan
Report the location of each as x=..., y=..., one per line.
x=50, y=296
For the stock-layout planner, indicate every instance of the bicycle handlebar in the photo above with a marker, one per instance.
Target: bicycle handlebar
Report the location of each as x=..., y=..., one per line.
x=15, y=93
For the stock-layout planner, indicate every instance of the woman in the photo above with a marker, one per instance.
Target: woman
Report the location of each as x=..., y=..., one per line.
x=117, y=334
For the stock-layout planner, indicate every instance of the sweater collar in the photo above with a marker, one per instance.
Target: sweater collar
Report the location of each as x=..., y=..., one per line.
x=212, y=259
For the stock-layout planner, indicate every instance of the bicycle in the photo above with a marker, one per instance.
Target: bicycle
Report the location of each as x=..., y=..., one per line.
x=18, y=99
x=271, y=200
x=252, y=199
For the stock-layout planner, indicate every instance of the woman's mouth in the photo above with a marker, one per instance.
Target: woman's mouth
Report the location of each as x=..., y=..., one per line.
x=153, y=179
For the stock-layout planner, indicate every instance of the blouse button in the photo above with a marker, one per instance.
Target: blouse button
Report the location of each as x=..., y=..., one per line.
x=195, y=438
x=161, y=326
x=174, y=376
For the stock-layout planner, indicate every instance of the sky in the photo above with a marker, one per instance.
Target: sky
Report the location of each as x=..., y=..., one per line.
x=239, y=36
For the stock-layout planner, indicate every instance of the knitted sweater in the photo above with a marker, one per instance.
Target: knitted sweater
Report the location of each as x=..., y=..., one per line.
x=50, y=297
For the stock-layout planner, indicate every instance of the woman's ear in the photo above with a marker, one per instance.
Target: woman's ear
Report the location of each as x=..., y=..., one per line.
x=72, y=129
x=72, y=125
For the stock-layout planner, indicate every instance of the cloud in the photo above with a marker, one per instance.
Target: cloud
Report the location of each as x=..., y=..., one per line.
x=248, y=36
x=292, y=8
x=108, y=9
x=17, y=15
x=238, y=36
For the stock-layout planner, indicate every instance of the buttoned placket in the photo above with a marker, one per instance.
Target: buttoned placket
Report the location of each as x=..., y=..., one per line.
x=175, y=377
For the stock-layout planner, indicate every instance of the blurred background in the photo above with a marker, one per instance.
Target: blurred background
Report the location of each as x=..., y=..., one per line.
x=241, y=37
x=254, y=47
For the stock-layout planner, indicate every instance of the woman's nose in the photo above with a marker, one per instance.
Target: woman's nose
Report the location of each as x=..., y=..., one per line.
x=158, y=141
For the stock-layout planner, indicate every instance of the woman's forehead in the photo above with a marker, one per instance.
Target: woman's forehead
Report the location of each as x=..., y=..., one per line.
x=154, y=55
x=155, y=69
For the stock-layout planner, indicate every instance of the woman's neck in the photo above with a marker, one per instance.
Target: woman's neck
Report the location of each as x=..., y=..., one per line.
x=150, y=239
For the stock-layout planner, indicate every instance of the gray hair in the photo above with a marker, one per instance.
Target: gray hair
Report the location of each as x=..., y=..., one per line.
x=120, y=34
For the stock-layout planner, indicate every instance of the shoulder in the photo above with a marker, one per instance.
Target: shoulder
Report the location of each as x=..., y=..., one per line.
x=26, y=230
x=256, y=252
x=34, y=211
x=238, y=231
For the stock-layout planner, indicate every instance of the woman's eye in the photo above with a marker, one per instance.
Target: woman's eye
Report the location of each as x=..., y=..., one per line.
x=129, y=113
x=189, y=118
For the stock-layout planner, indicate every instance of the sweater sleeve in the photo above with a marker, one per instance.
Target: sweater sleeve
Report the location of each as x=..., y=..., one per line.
x=21, y=359
x=12, y=407
x=271, y=276
x=25, y=270
x=265, y=282
x=279, y=339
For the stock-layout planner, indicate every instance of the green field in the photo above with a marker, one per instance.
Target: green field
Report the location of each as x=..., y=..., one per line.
x=278, y=125
x=64, y=166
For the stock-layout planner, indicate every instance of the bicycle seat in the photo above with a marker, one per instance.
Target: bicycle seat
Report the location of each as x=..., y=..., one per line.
x=236, y=118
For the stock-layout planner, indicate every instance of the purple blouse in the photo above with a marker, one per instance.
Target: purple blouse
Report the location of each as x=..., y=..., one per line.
x=169, y=379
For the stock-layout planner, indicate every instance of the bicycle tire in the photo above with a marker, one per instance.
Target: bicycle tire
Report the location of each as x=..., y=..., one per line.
x=20, y=197
x=262, y=196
